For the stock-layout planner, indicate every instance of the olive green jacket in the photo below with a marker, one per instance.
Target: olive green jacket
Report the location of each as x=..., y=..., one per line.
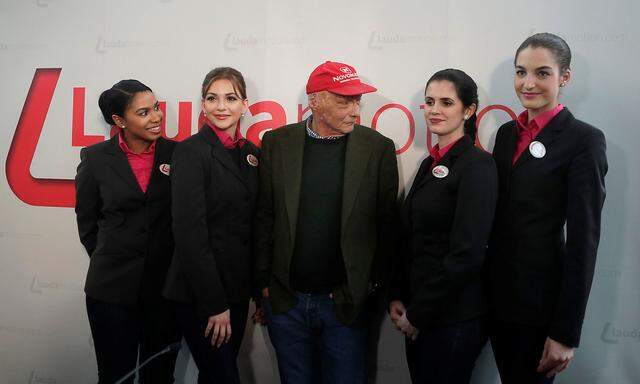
x=368, y=216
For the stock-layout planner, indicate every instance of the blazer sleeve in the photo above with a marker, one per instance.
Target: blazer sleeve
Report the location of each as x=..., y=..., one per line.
x=88, y=203
x=190, y=228
x=387, y=217
x=472, y=222
x=585, y=199
x=264, y=218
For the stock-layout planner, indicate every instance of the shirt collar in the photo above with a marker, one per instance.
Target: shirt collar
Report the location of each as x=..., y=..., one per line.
x=538, y=122
x=314, y=135
x=125, y=148
x=225, y=138
x=438, y=153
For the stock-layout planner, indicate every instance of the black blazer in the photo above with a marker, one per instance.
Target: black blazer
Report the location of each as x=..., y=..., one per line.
x=213, y=204
x=127, y=233
x=446, y=227
x=539, y=276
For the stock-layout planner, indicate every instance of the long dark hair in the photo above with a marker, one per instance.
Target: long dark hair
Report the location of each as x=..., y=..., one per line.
x=115, y=100
x=467, y=91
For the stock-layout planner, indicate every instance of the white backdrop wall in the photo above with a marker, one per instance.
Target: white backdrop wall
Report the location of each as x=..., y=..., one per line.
x=170, y=45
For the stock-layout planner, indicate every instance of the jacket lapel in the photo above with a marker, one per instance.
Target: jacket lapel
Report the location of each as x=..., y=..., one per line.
x=293, y=145
x=120, y=164
x=247, y=169
x=161, y=156
x=546, y=136
x=219, y=152
x=356, y=161
x=448, y=160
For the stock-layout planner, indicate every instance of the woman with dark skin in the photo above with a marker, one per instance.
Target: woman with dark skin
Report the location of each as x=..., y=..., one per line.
x=437, y=293
x=551, y=169
x=215, y=186
x=123, y=212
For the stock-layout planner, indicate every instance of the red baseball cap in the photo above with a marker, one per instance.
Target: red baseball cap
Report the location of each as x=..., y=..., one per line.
x=338, y=78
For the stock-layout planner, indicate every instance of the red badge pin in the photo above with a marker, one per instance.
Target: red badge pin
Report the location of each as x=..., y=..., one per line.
x=440, y=171
x=165, y=168
x=252, y=160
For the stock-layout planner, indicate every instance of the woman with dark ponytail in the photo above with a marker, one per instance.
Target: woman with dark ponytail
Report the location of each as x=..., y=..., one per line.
x=551, y=170
x=437, y=296
x=123, y=210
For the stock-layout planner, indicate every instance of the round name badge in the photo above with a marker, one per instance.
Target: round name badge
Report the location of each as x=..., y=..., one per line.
x=440, y=171
x=165, y=168
x=537, y=149
x=252, y=160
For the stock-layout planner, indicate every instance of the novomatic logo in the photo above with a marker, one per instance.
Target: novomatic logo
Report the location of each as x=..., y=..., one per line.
x=61, y=192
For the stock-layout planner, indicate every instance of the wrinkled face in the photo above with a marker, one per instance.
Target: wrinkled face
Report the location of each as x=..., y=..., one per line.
x=142, y=118
x=538, y=80
x=335, y=112
x=222, y=104
x=443, y=111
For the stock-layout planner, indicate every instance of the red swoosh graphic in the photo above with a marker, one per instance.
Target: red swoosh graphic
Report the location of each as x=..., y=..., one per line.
x=33, y=191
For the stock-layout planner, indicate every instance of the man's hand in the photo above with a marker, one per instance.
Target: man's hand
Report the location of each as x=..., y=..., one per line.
x=555, y=357
x=221, y=326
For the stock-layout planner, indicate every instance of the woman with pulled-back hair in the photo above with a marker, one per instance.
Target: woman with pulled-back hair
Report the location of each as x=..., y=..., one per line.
x=123, y=201
x=551, y=169
x=215, y=186
x=437, y=295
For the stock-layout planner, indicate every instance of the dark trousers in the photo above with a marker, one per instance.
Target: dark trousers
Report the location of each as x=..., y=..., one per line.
x=121, y=333
x=446, y=354
x=216, y=365
x=517, y=350
x=313, y=346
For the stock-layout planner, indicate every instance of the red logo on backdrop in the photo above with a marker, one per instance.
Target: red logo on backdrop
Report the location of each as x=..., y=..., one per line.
x=61, y=192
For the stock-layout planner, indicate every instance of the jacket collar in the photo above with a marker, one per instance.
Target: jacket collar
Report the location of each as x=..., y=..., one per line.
x=546, y=136
x=357, y=155
x=121, y=166
x=221, y=154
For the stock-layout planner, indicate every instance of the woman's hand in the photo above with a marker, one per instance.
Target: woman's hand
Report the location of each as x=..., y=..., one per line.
x=396, y=310
x=407, y=328
x=221, y=326
x=555, y=357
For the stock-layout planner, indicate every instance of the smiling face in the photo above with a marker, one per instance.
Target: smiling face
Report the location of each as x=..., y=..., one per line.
x=223, y=106
x=142, y=118
x=334, y=114
x=444, y=112
x=538, y=80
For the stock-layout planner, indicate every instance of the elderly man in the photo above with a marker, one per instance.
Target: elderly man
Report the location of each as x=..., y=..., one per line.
x=324, y=230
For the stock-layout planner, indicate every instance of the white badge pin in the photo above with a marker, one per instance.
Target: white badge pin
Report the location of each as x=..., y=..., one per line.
x=440, y=171
x=252, y=160
x=537, y=149
x=165, y=168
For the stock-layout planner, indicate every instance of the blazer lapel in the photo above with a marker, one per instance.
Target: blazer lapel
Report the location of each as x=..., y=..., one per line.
x=160, y=157
x=421, y=176
x=293, y=147
x=356, y=160
x=219, y=152
x=546, y=136
x=247, y=169
x=120, y=164
x=447, y=161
